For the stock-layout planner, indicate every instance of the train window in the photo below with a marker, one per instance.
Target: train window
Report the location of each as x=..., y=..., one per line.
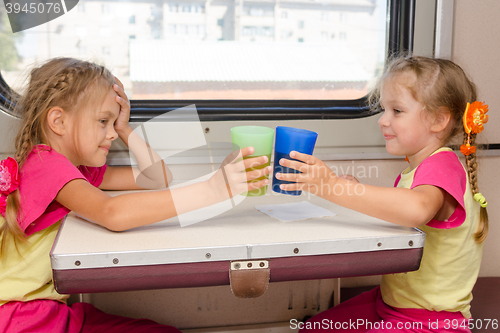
x=224, y=55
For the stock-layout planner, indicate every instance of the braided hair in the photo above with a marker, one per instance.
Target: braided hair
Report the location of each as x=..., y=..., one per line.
x=471, y=163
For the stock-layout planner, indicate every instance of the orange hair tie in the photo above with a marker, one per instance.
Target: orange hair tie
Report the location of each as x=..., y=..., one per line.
x=474, y=118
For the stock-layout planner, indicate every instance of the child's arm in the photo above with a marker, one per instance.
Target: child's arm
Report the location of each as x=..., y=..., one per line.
x=412, y=208
x=136, y=209
x=151, y=172
x=156, y=174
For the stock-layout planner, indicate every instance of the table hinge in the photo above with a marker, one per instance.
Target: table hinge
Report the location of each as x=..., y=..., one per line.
x=249, y=278
x=249, y=264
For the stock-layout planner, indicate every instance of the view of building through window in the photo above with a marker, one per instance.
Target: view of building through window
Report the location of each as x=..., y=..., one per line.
x=225, y=49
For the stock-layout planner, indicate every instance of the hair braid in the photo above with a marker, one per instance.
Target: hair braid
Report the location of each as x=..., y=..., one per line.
x=471, y=163
x=10, y=228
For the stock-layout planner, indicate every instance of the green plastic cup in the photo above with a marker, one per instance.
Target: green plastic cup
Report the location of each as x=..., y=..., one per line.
x=261, y=138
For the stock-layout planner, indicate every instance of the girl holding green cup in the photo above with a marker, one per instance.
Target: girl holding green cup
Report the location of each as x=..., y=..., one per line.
x=261, y=138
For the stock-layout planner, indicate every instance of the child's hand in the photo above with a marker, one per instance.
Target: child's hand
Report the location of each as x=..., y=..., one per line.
x=231, y=178
x=315, y=174
x=121, y=124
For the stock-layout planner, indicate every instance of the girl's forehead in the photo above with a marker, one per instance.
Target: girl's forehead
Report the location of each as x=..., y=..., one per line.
x=103, y=102
x=400, y=83
x=401, y=80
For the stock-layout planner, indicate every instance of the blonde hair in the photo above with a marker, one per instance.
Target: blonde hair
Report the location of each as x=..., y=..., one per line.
x=68, y=83
x=438, y=84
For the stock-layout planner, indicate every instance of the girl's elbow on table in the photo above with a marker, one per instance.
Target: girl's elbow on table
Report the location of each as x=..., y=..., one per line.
x=111, y=216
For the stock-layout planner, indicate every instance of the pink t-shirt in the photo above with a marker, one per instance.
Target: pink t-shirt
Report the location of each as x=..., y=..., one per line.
x=41, y=177
x=445, y=171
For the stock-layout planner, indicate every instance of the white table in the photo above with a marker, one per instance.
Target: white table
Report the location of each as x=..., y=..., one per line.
x=88, y=258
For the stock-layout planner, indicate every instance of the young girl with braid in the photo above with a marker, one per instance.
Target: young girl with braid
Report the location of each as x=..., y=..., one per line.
x=71, y=112
x=426, y=102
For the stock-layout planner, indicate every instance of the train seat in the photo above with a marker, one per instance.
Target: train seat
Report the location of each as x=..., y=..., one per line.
x=485, y=306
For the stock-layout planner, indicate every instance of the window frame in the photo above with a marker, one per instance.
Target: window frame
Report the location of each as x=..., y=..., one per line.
x=399, y=39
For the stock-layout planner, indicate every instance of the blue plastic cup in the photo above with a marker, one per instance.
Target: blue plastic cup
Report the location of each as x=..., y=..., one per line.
x=290, y=139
